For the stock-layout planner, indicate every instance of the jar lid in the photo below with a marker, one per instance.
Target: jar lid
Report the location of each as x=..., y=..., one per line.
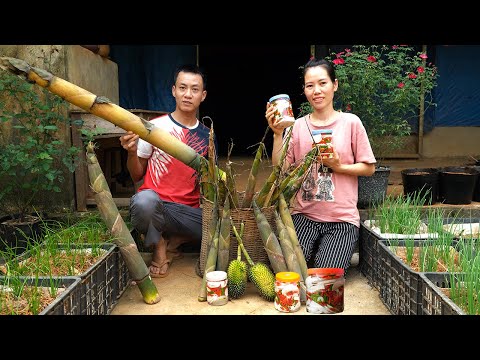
x=287, y=276
x=216, y=276
x=322, y=131
x=280, y=96
x=326, y=271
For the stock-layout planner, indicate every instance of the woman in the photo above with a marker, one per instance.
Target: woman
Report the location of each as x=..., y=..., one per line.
x=325, y=211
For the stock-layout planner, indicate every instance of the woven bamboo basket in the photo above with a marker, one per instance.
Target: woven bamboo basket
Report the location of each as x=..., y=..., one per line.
x=251, y=236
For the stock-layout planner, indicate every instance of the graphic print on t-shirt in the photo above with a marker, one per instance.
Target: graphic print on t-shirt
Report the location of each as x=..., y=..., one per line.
x=161, y=161
x=320, y=189
x=169, y=177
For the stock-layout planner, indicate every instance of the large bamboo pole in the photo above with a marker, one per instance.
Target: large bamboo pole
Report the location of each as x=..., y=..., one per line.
x=102, y=107
x=122, y=237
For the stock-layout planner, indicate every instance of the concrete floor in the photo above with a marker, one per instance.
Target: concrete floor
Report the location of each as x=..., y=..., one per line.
x=179, y=292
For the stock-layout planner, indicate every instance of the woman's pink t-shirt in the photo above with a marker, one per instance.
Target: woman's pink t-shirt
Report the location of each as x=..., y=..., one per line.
x=330, y=197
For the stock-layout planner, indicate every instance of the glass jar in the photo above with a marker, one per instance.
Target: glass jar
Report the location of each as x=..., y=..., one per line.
x=217, y=290
x=325, y=288
x=287, y=291
x=323, y=139
x=283, y=110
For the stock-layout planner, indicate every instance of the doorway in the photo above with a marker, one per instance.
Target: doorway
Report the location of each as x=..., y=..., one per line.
x=240, y=80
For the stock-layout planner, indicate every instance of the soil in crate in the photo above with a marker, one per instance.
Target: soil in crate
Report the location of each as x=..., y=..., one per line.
x=20, y=305
x=446, y=292
x=61, y=263
x=39, y=295
x=401, y=252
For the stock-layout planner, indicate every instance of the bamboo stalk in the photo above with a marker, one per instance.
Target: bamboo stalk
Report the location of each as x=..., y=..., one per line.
x=230, y=180
x=286, y=143
x=287, y=247
x=263, y=196
x=210, y=182
x=265, y=193
x=212, y=227
x=210, y=264
x=240, y=243
x=297, y=173
x=222, y=191
x=268, y=198
x=104, y=108
x=294, y=185
x=122, y=237
x=287, y=220
x=252, y=177
x=270, y=241
x=289, y=253
x=224, y=238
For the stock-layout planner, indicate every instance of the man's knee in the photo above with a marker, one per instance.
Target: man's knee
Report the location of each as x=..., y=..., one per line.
x=142, y=207
x=145, y=202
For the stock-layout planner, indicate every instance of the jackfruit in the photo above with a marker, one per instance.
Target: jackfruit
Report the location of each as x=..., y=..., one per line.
x=237, y=278
x=263, y=279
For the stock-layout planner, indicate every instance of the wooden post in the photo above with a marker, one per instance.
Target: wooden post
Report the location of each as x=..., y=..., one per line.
x=421, y=116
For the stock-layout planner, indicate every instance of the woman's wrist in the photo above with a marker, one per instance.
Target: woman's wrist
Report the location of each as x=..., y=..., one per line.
x=278, y=135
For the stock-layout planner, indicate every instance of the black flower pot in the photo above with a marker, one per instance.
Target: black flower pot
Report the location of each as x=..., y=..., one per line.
x=476, y=191
x=421, y=183
x=457, y=184
x=373, y=189
x=16, y=236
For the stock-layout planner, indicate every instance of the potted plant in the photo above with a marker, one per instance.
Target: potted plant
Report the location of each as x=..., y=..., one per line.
x=34, y=159
x=384, y=85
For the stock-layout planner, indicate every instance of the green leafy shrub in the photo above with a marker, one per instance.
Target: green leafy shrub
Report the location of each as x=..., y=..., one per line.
x=33, y=157
x=383, y=85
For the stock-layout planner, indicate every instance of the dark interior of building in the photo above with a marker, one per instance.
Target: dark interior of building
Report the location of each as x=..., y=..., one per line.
x=241, y=79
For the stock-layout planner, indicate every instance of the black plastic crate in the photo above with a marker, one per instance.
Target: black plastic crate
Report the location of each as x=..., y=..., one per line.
x=99, y=283
x=400, y=286
x=434, y=301
x=369, y=255
x=123, y=274
x=66, y=303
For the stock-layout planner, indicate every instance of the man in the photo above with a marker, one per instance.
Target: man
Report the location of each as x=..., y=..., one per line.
x=166, y=208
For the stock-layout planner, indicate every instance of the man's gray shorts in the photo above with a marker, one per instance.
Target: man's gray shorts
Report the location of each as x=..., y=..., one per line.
x=153, y=217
